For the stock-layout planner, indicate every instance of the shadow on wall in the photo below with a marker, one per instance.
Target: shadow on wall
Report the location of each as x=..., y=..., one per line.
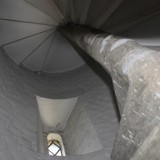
x=98, y=70
x=70, y=120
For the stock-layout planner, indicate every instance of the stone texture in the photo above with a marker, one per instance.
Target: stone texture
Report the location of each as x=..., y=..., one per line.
x=152, y=141
x=135, y=72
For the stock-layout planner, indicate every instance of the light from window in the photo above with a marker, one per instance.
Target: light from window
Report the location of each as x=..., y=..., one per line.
x=55, y=145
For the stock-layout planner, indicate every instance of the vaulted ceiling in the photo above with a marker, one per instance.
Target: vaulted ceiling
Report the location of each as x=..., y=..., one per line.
x=29, y=28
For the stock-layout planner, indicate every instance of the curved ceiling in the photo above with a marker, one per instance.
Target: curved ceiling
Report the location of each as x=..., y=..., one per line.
x=55, y=113
x=29, y=35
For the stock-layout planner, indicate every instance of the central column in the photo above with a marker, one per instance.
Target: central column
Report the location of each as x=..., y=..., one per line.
x=135, y=72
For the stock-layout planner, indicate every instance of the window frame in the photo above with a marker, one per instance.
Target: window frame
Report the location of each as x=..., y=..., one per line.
x=55, y=138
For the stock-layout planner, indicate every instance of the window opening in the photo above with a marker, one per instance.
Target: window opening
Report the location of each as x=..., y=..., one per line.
x=55, y=145
x=54, y=148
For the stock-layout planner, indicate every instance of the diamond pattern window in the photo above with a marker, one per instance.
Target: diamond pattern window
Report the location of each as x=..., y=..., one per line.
x=55, y=145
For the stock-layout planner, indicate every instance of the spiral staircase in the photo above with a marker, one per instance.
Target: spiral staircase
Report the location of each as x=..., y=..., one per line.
x=30, y=36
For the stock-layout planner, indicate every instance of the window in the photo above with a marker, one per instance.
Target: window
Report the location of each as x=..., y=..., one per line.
x=54, y=148
x=55, y=145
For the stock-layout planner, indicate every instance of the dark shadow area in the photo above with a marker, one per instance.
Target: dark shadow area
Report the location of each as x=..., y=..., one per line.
x=99, y=70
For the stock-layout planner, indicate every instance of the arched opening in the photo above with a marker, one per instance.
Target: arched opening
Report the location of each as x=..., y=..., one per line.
x=55, y=145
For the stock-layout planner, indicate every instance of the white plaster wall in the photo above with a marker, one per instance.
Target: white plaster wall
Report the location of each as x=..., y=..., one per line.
x=80, y=136
x=18, y=108
x=54, y=113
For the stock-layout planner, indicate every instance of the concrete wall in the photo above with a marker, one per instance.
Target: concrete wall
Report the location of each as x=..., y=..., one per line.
x=18, y=108
x=146, y=33
x=100, y=107
x=135, y=73
x=80, y=136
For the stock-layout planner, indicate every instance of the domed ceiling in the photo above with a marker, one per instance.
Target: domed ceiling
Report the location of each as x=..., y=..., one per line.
x=29, y=28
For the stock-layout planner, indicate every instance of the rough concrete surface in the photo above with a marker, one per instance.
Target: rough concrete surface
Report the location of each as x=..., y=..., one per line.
x=135, y=72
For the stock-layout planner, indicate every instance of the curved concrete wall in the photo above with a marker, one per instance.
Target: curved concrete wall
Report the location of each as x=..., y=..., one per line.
x=135, y=73
x=18, y=108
